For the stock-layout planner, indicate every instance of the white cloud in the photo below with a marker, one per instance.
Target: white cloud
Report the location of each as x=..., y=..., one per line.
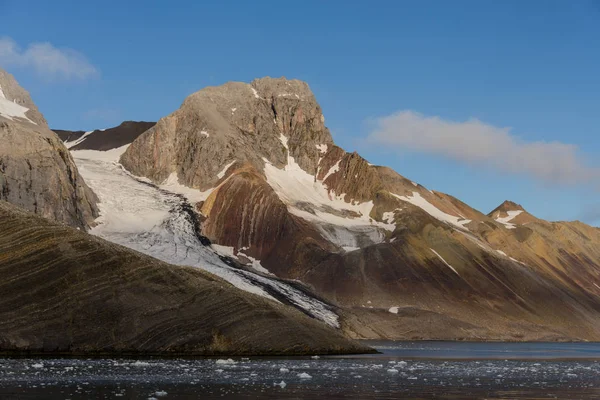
x=477, y=143
x=46, y=60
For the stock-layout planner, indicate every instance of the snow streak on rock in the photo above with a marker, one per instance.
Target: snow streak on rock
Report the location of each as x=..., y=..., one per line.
x=162, y=224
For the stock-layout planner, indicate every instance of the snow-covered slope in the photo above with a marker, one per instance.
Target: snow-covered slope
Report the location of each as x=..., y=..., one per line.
x=345, y=224
x=161, y=223
x=11, y=110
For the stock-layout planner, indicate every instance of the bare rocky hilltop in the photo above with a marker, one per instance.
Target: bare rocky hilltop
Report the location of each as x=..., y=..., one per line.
x=402, y=261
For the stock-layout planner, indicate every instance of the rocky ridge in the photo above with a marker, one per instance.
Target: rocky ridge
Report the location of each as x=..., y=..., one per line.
x=379, y=245
x=104, y=139
x=37, y=171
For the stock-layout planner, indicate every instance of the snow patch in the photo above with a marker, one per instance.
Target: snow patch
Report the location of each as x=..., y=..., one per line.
x=221, y=174
x=445, y=262
x=348, y=249
x=335, y=168
x=435, y=212
x=393, y=310
x=389, y=216
x=254, y=263
x=506, y=220
x=10, y=110
x=193, y=195
x=75, y=142
x=111, y=156
x=288, y=95
x=322, y=148
x=226, y=251
x=229, y=251
x=204, y=133
x=304, y=375
x=346, y=224
x=255, y=93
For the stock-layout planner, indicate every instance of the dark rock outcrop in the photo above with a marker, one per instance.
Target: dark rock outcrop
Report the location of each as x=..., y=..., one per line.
x=105, y=139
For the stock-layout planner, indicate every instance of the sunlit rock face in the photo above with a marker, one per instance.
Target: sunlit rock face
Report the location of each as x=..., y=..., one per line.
x=37, y=171
x=278, y=193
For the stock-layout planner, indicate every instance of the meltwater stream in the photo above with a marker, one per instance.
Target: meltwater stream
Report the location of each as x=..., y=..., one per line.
x=402, y=370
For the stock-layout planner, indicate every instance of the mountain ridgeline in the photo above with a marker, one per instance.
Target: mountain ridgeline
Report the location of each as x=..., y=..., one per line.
x=401, y=261
x=67, y=291
x=304, y=228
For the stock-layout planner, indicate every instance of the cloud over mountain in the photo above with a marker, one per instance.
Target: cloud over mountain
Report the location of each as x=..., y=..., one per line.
x=477, y=143
x=48, y=61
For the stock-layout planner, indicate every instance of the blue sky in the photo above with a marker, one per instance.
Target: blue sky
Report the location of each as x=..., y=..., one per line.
x=532, y=66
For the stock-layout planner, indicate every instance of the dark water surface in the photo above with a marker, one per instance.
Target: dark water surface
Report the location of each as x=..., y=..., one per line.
x=404, y=370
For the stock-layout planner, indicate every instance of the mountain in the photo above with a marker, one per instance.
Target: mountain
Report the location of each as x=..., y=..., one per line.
x=36, y=170
x=400, y=261
x=65, y=291
x=104, y=139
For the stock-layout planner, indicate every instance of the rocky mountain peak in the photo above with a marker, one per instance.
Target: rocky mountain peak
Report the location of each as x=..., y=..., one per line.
x=268, y=87
x=506, y=206
x=268, y=121
x=16, y=103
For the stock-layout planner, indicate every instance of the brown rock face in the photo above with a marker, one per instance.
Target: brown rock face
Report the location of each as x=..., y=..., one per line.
x=64, y=291
x=362, y=235
x=234, y=122
x=246, y=213
x=36, y=170
x=16, y=94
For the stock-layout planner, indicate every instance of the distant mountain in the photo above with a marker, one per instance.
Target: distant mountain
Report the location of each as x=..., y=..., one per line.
x=104, y=139
x=400, y=261
x=36, y=170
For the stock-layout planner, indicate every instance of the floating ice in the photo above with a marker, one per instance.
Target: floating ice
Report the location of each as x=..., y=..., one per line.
x=228, y=361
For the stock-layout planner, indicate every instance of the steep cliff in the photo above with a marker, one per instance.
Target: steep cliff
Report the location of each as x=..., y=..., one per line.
x=37, y=171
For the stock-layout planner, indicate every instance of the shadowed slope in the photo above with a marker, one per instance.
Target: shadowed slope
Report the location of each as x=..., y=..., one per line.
x=66, y=291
